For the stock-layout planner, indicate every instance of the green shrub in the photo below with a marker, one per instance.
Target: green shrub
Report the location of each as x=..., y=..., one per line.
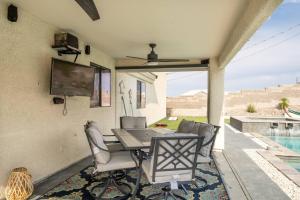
x=251, y=108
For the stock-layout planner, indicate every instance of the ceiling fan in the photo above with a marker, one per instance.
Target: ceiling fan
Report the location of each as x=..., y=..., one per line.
x=90, y=8
x=152, y=57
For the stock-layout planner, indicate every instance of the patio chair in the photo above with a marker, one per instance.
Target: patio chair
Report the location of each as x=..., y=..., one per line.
x=172, y=159
x=185, y=126
x=108, y=161
x=209, y=132
x=111, y=141
x=113, y=145
x=128, y=122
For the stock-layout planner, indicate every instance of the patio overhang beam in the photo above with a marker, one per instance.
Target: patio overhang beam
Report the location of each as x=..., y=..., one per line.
x=257, y=12
x=163, y=68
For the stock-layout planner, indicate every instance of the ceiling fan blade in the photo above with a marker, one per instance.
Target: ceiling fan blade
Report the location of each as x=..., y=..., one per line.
x=173, y=60
x=90, y=8
x=136, y=57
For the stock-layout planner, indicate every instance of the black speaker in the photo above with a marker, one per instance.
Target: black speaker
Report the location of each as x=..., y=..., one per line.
x=12, y=13
x=58, y=100
x=87, y=49
x=63, y=39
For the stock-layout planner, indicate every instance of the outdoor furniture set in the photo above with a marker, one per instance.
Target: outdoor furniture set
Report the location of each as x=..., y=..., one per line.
x=163, y=155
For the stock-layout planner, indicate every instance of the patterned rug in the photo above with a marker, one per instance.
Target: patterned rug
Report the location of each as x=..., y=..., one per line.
x=79, y=186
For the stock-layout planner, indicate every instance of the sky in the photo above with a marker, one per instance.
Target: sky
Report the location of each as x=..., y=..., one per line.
x=271, y=57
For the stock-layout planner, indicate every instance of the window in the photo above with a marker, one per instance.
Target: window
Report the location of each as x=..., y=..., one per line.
x=95, y=98
x=102, y=87
x=141, y=94
x=105, y=88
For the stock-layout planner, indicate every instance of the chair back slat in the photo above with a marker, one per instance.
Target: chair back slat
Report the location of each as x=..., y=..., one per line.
x=128, y=122
x=175, y=152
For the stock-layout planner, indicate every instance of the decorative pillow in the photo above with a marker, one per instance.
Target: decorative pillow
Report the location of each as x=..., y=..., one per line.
x=102, y=157
x=206, y=130
x=185, y=126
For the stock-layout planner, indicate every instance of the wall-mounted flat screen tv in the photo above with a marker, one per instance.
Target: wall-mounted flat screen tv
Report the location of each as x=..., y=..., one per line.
x=71, y=79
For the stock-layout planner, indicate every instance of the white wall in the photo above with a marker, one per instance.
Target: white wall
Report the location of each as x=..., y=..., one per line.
x=33, y=131
x=155, y=97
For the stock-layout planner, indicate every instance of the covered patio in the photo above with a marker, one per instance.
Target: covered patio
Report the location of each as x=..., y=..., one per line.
x=53, y=147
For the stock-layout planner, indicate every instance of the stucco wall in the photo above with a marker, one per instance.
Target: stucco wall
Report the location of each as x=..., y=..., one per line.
x=216, y=100
x=155, y=97
x=33, y=131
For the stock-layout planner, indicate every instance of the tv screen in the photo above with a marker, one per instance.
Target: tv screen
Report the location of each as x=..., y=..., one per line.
x=71, y=79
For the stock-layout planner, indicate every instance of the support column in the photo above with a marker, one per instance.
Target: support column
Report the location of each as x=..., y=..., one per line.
x=216, y=100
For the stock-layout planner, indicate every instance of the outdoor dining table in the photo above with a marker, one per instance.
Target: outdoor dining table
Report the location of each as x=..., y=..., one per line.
x=137, y=141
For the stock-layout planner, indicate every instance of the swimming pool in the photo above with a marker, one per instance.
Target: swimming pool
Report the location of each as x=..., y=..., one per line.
x=292, y=143
x=292, y=161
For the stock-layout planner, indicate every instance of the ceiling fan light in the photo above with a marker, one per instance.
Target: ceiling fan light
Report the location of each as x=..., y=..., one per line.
x=152, y=63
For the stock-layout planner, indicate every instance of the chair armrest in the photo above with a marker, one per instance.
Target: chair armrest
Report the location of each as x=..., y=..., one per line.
x=135, y=154
x=110, y=138
x=114, y=147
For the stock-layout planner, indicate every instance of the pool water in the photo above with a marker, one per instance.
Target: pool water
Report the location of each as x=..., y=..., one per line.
x=292, y=143
x=292, y=161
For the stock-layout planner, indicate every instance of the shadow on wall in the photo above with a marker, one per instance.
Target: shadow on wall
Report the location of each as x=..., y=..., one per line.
x=155, y=106
x=151, y=96
x=152, y=93
x=130, y=83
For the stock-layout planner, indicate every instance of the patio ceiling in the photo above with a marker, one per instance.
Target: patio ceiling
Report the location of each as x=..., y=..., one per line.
x=191, y=29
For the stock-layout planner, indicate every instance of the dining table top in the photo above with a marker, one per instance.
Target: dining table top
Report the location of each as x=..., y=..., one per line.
x=132, y=139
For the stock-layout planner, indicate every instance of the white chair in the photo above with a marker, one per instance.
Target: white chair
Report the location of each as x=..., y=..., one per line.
x=173, y=158
x=107, y=161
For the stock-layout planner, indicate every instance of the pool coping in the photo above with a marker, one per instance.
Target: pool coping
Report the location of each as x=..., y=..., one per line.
x=249, y=119
x=272, y=153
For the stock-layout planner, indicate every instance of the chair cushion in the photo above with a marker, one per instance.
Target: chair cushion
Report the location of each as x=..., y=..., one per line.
x=119, y=160
x=93, y=124
x=206, y=130
x=167, y=176
x=112, y=147
x=185, y=126
x=128, y=122
x=196, y=127
x=96, y=136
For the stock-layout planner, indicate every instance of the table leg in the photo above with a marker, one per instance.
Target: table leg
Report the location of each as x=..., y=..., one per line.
x=139, y=171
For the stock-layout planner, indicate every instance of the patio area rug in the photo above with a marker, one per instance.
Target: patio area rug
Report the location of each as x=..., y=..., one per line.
x=79, y=185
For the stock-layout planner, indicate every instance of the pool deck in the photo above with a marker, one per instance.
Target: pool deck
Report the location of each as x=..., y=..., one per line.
x=272, y=154
x=241, y=168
